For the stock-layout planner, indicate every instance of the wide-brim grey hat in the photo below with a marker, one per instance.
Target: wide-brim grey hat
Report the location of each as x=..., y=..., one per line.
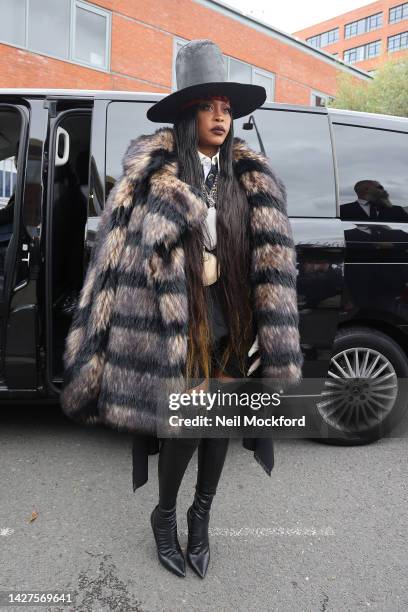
x=201, y=72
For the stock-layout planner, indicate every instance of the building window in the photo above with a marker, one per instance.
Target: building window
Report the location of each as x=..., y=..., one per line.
x=373, y=49
x=363, y=25
x=13, y=21
x=90, y=40
x=398, y=42
x=358, y=54
x=242, y=72
x=326, y=38
x=314, y=41
x=68, y=29
x=237, y=71
x=398, y=13
x=320, y=99
x=47, y=27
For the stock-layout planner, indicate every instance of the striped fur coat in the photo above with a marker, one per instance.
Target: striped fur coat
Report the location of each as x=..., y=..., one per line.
x=128, y=339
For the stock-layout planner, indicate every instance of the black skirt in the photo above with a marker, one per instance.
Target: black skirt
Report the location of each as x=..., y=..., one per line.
x=144, y=445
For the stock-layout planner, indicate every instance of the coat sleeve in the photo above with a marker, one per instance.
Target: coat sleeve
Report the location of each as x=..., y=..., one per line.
x=274, y=274
x=87, y=338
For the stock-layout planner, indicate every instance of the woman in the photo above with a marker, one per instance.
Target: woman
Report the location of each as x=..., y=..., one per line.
x=193, y=269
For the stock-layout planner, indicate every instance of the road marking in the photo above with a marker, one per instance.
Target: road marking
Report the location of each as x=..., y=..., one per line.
x=6, y=531
x=267, y=531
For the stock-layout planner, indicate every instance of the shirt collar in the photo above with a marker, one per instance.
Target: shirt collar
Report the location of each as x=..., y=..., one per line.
x=361, y=201
x=209, y=160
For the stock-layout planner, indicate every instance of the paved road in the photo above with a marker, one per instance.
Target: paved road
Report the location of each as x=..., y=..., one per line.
x=327, y=532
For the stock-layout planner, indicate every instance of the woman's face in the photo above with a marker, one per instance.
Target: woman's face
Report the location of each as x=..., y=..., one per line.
x=213, y=121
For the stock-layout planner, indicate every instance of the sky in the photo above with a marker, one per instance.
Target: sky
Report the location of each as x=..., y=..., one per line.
x=293, y=15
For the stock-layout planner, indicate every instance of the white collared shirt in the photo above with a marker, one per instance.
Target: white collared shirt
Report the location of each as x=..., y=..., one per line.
x=207, y=162
x=365, y=205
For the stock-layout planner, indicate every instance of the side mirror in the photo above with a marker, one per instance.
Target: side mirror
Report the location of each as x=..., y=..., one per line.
x=61, y=160
x=249, y=125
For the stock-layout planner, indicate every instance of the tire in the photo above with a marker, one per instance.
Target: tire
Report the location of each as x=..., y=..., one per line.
x=354, y=410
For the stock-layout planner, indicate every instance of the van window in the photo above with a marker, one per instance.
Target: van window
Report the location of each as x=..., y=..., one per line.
x=372, y=168
x=299, y=148
x=125, y=121
x=298, y=145
x=10, y=126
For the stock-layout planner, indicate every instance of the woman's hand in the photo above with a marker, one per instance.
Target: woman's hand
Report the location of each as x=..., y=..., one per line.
x=252, y=350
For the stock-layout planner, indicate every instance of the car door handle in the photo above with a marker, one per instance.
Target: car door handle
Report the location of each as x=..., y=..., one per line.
x=25, y=248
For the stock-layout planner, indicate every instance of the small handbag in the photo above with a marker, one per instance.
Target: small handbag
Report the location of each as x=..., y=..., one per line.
x=211, y=268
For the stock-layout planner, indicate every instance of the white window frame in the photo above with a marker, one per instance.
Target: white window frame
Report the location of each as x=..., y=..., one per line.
x=321, y=94
x=239, y=61
x=71, y=54
x=98, y=11
x=267, y=74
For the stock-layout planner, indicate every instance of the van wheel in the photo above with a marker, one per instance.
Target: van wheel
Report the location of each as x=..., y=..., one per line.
x=365, y=391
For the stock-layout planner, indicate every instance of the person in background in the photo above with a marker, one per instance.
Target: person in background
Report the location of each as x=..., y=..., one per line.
x=372, y=204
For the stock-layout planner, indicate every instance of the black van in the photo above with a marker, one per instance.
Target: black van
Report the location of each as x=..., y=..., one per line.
x=346, y=178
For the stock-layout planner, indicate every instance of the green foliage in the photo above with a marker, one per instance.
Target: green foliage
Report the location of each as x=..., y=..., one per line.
x=386, y=93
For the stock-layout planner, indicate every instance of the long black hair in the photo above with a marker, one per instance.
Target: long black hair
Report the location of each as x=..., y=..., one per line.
x=233, y=251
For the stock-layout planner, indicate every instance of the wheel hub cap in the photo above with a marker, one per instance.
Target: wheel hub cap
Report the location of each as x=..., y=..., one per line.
x=360, y=390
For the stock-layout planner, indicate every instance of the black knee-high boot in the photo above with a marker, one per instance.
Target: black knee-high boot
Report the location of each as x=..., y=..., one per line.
x=174, y=457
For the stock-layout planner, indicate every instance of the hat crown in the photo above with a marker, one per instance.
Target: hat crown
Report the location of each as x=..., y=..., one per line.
x=199, y=61
x=200, y=72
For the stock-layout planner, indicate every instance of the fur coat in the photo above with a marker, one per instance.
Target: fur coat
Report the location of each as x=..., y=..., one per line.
x=128, y=339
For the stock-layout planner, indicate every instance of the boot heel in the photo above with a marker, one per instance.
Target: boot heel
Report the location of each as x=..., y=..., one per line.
x=164, y=525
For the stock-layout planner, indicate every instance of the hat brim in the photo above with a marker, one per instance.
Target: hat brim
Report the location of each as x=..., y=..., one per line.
x=244, y=98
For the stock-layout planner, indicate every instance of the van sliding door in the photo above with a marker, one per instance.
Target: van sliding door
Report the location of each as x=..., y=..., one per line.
x=20, y=225
x=67, y=204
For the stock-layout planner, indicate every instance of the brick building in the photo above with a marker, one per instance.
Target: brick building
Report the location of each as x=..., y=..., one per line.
x=366, y=36
x=123, y=45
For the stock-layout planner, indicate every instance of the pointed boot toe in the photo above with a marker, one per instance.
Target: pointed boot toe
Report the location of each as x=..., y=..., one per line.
x=199, y=563
x=164, y=525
